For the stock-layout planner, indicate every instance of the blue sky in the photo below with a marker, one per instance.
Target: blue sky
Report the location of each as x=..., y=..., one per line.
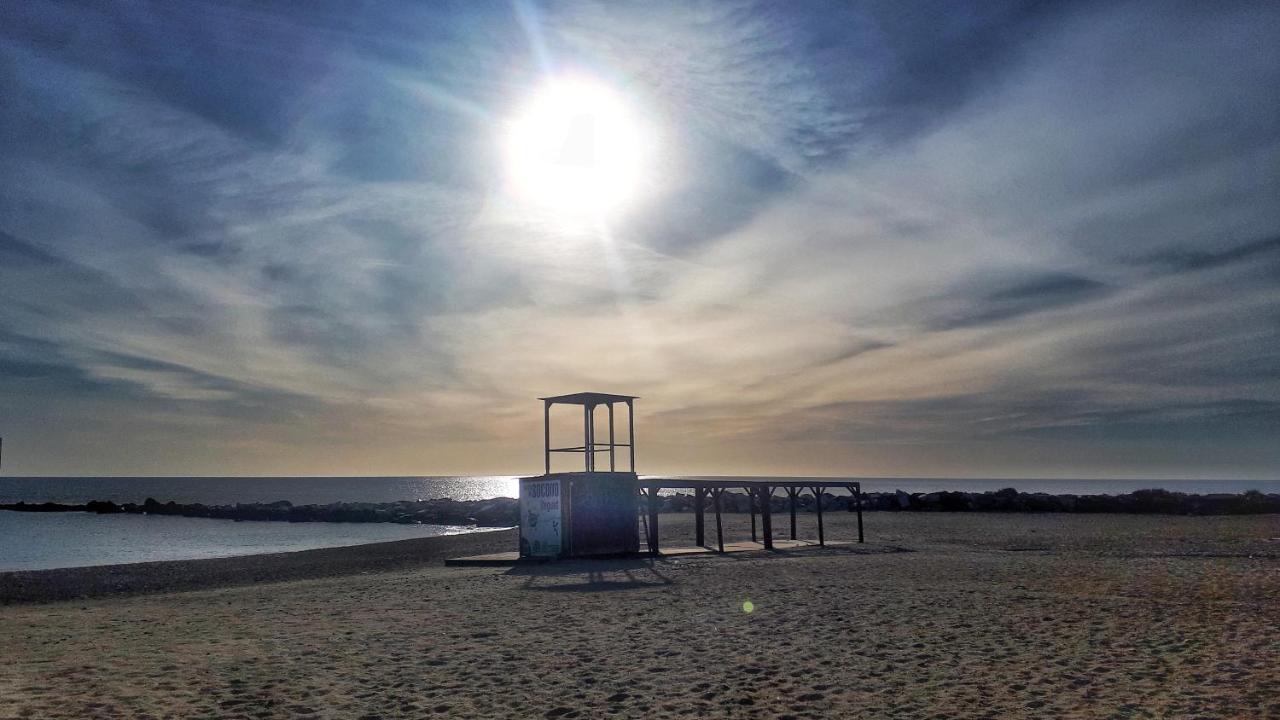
x=959, y=239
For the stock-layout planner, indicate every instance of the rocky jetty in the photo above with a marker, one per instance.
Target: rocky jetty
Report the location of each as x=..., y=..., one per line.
x=504, y=512
x=1146, y=502
x=1010, y=500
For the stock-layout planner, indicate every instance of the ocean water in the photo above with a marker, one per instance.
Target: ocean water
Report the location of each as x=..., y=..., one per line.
x=232, y=490
x=39, y=541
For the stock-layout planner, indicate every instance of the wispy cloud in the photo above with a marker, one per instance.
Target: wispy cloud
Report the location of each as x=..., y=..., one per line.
x=272, y=241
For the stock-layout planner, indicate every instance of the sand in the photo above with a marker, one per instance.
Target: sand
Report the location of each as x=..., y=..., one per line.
x=938, y=616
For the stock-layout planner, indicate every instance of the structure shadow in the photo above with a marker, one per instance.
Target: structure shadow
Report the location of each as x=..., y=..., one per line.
x=594, y=575
x=795, y=553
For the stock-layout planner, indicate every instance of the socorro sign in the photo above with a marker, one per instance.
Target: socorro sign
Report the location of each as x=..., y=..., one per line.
x=540, y=518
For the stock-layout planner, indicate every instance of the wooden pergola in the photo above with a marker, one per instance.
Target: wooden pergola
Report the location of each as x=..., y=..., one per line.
x=759, y=493
x=599, y=503
x=589, y=447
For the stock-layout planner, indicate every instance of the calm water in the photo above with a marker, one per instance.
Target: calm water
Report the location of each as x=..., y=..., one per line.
x=231, y=490
x=33, y=541
x=38, y=541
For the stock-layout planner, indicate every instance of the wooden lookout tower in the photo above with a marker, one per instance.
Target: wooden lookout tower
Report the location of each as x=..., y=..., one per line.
x=588, y=512
x=593, y=512
x=589, y=447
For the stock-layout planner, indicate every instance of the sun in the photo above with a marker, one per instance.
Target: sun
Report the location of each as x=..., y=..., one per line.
x=576, y=147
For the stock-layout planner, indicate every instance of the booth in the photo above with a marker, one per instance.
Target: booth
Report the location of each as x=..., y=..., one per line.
x=588, y=513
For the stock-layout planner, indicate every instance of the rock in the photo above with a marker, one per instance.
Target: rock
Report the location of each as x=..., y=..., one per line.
x=952, y=501
x=930, y=501
x=904, y=500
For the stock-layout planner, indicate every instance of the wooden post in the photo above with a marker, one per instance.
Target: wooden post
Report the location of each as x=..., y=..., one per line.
x=586, y=438
x=858, y=493
x=631, y=431
x=817, y=497
x=546, y=433
x=715, y=497
x=766, y=515
x=611, y=443
x=653, y=520
x=791, y=494
x=751, y=503
x=699, y=499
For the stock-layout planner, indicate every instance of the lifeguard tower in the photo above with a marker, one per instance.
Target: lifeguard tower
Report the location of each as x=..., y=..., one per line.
x=594, y=512
x=585, y=513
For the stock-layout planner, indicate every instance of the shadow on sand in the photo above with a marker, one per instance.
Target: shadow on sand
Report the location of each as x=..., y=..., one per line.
x=632, y=573
x=594, y=575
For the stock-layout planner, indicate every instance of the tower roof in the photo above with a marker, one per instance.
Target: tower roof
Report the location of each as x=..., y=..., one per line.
x=589, y=398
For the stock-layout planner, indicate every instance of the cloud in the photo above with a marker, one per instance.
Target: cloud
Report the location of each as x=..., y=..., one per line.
x=979, y=235
x=1026, y=295
x=1027, y=206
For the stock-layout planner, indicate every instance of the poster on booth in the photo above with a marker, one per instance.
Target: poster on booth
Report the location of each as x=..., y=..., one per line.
x=540, y=518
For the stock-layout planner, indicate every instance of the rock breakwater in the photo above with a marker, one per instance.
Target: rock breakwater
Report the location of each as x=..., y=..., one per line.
x=504, y=512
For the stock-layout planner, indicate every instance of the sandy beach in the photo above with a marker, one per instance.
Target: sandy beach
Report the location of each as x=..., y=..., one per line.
x=937, y=616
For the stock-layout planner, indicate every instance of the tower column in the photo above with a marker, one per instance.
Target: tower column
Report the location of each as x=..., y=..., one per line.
x=546, y=434
x=586, y=438
x=631, y=431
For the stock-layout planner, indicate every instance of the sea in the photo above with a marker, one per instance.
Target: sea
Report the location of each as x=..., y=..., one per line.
x=38, y=541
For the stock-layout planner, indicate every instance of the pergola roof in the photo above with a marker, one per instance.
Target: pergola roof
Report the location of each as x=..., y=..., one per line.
x=589, y=398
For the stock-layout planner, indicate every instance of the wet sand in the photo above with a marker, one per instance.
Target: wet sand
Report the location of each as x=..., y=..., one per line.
x=180, y=575
x=937, y=616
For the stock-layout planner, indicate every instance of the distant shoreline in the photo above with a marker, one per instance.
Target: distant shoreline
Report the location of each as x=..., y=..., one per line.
x=504, y=512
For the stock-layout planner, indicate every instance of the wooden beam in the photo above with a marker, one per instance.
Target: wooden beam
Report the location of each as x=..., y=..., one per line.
x=766, y=515
x=751, y=503
x=858, y=495
x=586, y=438
x=546, y=434
x=699, y=500
x=715, y=496
x=631, y=432
x=792, y=492
x=817, y=502
x=653, y=520
x=611, y=441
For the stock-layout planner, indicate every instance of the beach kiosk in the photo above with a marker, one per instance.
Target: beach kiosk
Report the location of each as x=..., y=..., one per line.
x=587, y=513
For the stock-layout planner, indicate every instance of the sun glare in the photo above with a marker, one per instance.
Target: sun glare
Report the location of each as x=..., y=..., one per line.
x=576, y=148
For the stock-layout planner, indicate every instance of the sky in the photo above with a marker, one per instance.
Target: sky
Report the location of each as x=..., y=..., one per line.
x=959, y=239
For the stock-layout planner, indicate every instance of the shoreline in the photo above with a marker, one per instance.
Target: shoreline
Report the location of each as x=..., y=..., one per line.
x=167, y=576
x=22, y=587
